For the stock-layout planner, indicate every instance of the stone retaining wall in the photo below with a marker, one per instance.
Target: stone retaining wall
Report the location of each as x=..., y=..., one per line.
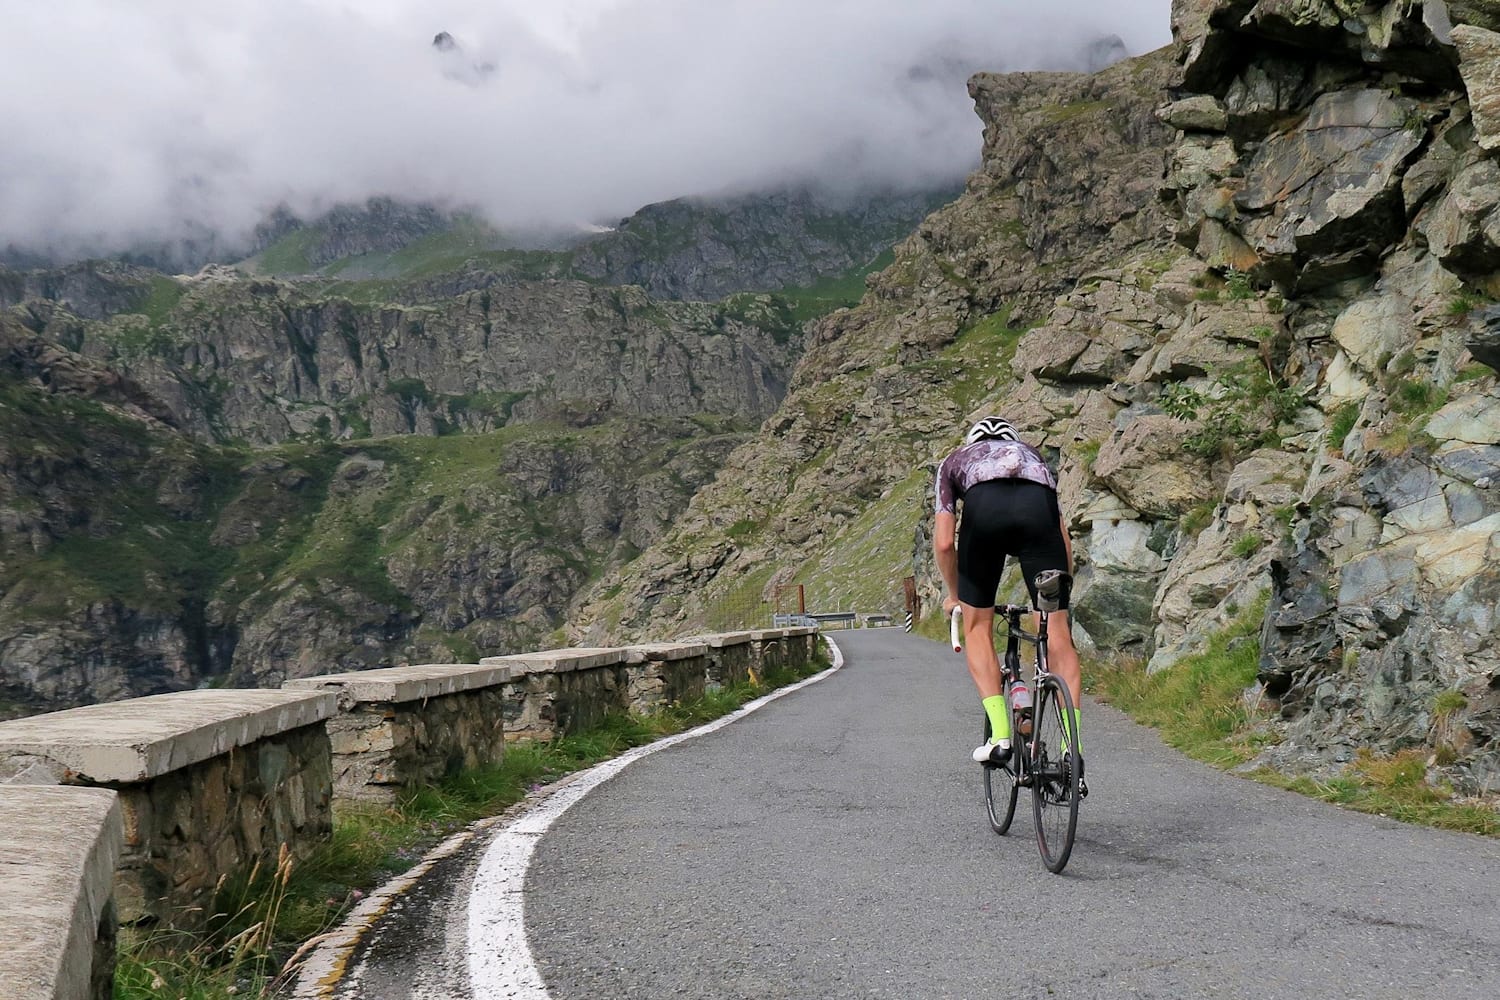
x=730, y=657
x=403, y=727
x=662, y=673
x=196, y=786
x=210, y=783
x=560, y=691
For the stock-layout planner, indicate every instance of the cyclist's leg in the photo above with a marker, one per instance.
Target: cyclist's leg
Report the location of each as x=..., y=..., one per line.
x=979, y=568
x=1045, y=548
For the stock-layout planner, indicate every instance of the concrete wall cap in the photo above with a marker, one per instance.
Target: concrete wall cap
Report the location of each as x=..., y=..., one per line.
x=557, y=661
x=721, y=639
x=402, y=684
x=801, y=630
x=58, y=851
x=641, y=652
x=139, y=739
x=765, y=634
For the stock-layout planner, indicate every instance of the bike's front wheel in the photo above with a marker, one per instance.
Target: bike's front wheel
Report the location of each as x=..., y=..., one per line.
x=1000, y=788
x=1054, y=779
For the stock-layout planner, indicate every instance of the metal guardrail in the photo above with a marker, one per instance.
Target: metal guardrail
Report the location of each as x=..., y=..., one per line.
x=832, y=619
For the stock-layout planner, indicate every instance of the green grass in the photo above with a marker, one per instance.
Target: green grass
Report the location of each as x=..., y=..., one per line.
x=268, y=916
x=1196, y=703
x=288, y=255
x=1198, y=706
x=1341, y=422
x=163, y=298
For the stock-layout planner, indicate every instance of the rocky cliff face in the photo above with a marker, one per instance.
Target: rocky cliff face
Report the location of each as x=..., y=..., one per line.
x=236, y=481
x=703, y=250
x=1256, y=270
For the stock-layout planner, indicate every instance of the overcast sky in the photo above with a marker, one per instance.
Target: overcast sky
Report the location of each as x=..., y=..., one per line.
x=128, y=121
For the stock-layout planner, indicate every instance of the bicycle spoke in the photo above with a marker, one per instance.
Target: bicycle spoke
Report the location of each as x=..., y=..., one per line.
x=1054, y=788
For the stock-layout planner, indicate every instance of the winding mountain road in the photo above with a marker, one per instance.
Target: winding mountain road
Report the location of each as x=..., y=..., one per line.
x=833, y=844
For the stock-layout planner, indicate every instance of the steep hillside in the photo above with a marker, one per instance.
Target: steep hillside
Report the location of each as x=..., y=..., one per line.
x=238, y=480
x=1255, y=272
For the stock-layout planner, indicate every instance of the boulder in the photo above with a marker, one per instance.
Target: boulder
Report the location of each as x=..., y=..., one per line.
x=1479, y=64
x=1146, y=467
x=1463, y=228
x=1200, y=113
x=1373, y=330
x=1473, y=419
x=1332, y=185
x=1484, y=343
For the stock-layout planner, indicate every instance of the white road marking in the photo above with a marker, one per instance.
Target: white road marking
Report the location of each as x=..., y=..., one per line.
x=501, y=966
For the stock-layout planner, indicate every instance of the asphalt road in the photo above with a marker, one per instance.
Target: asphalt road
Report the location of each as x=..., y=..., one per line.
x=833, y=844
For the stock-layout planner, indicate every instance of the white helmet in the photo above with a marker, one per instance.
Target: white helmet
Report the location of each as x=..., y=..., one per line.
x=992, y=427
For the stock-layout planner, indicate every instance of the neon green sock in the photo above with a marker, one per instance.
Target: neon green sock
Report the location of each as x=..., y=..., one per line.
x=1077, y=732
x=994, y=707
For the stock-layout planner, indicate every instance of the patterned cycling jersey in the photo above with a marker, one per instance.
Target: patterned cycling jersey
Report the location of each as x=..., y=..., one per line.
x=990, y=458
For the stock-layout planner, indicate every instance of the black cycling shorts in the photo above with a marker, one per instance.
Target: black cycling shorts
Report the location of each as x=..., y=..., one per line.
x=1007, y=517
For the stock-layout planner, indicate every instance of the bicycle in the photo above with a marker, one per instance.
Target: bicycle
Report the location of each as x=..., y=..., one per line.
x=1042, y=737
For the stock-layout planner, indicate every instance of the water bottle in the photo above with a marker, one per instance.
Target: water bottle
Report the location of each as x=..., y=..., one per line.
x=1020, y=702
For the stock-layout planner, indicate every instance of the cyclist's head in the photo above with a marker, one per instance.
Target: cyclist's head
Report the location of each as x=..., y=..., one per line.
x=992, y=427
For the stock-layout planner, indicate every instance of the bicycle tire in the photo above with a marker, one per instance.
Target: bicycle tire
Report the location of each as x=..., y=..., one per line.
x=1054, y=785
x=1000, y=787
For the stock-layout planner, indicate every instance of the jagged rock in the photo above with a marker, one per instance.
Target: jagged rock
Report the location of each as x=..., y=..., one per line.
x=1409, y=36
x=1145, y=467
x=1206, y=55
x=1482, y=13
x=1331, y=186
x=1200, y=113
x=1266, y=92
x=1479, y=52
x=1299, y=636
x=1463, y=229
x=1484, y=343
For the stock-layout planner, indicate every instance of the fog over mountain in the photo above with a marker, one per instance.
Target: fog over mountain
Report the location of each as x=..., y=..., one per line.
x=132, y=123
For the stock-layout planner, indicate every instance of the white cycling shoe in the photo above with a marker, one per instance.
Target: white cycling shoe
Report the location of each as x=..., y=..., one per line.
x=992, y=753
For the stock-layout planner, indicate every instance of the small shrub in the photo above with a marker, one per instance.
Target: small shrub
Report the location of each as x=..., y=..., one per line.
x=1449, y=702
x=1461, y=305
x=1246, y=545
x=1237, y=285
x=1197, y=518
x=1342, y=422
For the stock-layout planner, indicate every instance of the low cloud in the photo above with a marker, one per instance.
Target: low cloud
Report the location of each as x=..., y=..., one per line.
x=159, y=119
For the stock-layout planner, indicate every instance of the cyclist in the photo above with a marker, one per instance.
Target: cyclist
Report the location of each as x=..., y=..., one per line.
x=1010, y=508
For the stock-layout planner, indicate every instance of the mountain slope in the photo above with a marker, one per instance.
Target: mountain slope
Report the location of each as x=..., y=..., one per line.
x=1256, y=273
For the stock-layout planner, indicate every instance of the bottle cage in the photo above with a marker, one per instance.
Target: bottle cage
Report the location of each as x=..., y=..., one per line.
x=1052, y=589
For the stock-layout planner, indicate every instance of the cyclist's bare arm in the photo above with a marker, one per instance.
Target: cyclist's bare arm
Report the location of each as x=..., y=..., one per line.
x=945, y=552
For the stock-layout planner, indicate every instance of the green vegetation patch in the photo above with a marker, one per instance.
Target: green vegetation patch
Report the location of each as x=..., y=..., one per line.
x=1197, y=703
x=288, y=255
x=1240, y=411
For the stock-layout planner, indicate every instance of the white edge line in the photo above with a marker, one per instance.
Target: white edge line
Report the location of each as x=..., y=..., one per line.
x=501, y=966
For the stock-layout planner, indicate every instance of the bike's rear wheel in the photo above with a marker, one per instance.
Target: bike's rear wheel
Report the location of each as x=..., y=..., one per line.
x=1054, y=782
x=1000, y=789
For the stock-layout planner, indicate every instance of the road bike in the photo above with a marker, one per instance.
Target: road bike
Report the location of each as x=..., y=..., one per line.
x=1043, y=737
